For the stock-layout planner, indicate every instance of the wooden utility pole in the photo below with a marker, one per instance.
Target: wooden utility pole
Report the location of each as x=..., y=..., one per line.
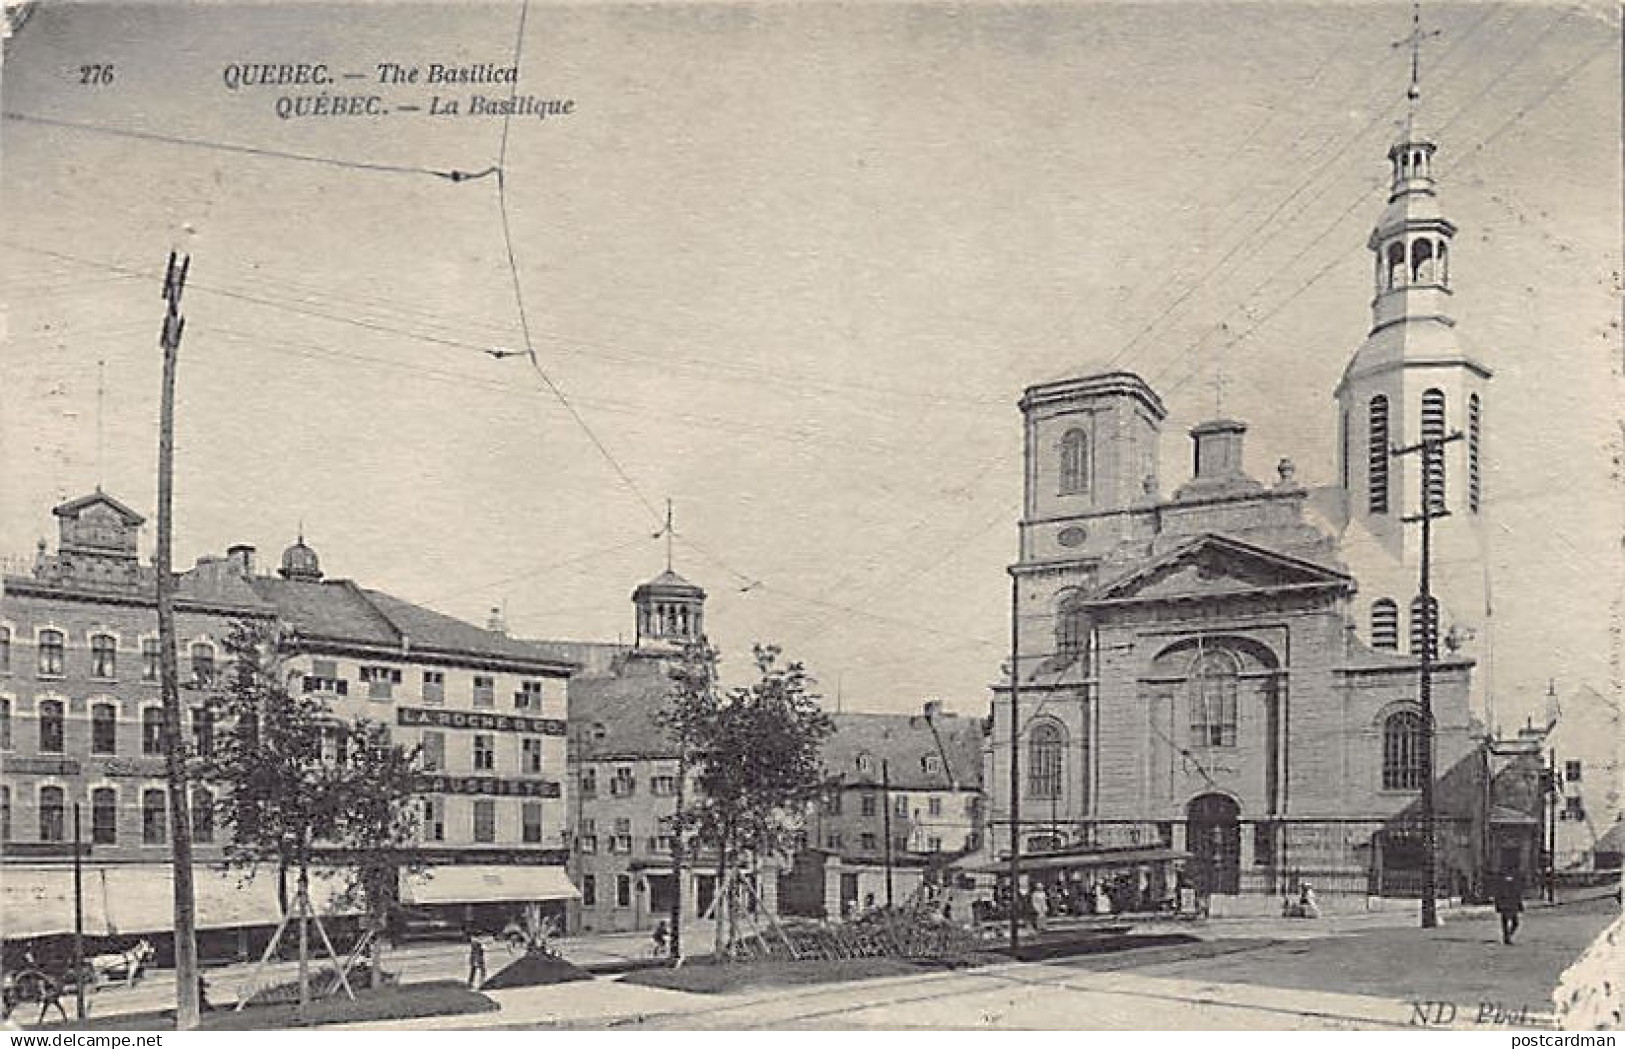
x=1015, y=760
x=180, y=822
x=885, y=823
x=78, y=917
x=1549, y=875
x=1432, y=452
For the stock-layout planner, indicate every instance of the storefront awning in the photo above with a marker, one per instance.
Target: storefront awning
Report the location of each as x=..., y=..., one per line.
x=475, y=884
x=38, y=901
x=139, y=898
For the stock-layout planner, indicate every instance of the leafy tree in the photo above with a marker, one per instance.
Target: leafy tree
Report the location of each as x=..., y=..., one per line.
x=297, y=783
x=754, y=750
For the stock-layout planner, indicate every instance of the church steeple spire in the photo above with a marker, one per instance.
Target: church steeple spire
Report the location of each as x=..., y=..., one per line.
x=1411, y=241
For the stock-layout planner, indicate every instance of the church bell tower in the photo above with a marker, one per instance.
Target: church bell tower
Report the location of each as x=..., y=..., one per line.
x=1411, y=379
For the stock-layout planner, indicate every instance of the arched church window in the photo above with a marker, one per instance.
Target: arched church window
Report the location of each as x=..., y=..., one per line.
x=1433, y=421
x=1384, y=624
x=1377, y=466
x=1044, y=746
x=1071, y=635
x=1422, y=262
x=1402, y=751
x=1442, y=254
x=1396, y=265
x=1074, y=462
x=1213, y=699
x=1475, y=424
x=1422, y=629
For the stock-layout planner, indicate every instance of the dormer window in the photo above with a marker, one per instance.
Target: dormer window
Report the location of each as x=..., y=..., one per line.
x=931, y=764
x=866, y=764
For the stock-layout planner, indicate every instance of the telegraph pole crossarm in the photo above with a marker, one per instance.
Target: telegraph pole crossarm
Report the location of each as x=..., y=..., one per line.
x=1432, y=507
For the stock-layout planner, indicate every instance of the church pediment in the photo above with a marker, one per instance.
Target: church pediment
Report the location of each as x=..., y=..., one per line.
x=1216, y=566
x=99, y=504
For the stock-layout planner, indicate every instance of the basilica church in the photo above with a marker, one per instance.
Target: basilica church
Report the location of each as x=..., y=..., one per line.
x=1232, y=669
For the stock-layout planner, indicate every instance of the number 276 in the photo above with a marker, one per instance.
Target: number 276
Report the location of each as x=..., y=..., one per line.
x=96, y=75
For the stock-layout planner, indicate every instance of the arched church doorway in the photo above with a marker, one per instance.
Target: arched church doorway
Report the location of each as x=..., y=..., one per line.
x=1213, y=837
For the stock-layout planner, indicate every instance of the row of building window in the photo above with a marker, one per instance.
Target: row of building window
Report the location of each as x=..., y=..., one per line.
x=589, y=890
x=1433, y=464
x=483, y=821
x=1213, y=724
x=54, y=822
x=871, y=843
x=623, y=783
x=931, y=764
x=868, y=805
x=381, y=683
x=51, y=725
x=50, y=657
x=432, y=750
x=586, y=839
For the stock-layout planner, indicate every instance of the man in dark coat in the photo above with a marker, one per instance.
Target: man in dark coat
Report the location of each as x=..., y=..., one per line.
x=1508, y=903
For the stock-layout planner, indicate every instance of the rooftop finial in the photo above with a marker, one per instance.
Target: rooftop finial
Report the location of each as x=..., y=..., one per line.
x=1414, y=91
x=668, y=532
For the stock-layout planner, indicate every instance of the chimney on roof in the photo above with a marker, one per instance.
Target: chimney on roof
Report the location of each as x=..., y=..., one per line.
x=933, y=708
x=241, y=556
x=496, y=622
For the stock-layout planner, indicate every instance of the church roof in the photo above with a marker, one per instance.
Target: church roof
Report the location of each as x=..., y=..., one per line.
x=73, y=507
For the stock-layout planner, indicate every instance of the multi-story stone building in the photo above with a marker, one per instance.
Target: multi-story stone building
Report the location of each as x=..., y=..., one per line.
x=80, y=724
x=624, y=768
x=916, y=778
x=486, y=712
x=1226, y=669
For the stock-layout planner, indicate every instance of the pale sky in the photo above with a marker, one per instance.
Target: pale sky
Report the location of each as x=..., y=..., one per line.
x=793, y=266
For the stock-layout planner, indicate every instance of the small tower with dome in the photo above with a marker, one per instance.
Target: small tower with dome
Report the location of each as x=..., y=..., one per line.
x=300, y=563
x=670, y=610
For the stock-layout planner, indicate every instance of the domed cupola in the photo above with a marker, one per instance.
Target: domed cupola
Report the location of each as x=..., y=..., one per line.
x=670, y=609
x=300, y=564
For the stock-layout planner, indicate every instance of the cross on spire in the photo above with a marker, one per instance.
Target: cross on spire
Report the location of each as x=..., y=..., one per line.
x=1414, y=40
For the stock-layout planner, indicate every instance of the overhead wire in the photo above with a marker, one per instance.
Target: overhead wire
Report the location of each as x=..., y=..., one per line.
x=449, y=174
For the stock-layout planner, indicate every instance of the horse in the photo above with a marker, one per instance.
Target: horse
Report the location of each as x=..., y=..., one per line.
x=127, y=964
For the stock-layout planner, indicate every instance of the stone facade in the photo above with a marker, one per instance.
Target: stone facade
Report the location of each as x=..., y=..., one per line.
x=494, y=707
x=623, y=766
x=1233, y=669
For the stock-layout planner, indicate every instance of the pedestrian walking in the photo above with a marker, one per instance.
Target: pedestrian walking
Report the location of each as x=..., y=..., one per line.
x=1508, y=904
x=476, y=962
x=661, y=934
x=1038, y=907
